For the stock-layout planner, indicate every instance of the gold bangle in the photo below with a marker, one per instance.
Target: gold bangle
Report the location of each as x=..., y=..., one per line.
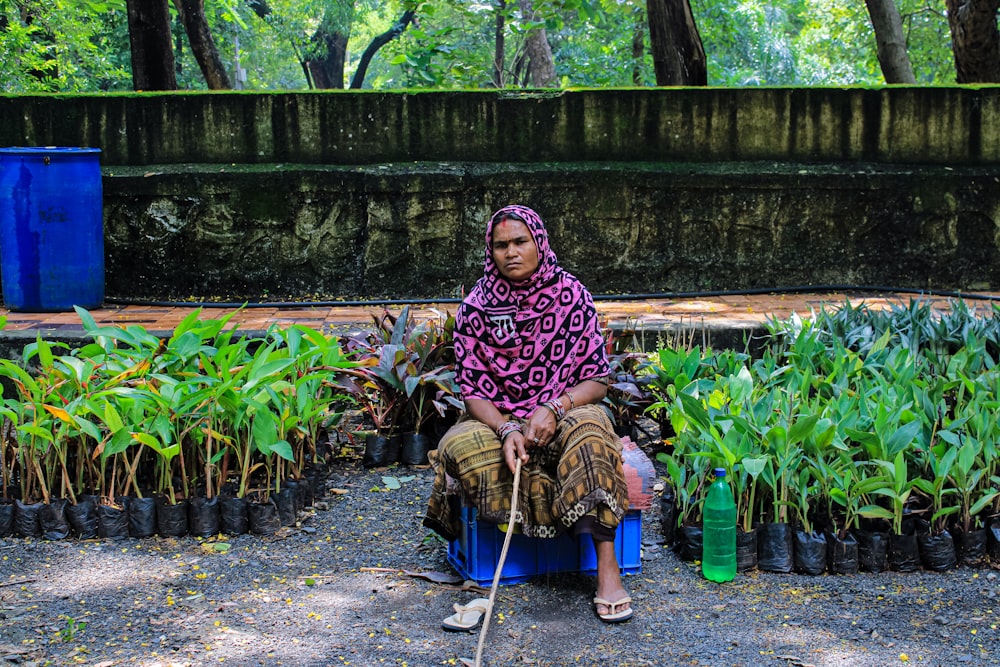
x=572, y=403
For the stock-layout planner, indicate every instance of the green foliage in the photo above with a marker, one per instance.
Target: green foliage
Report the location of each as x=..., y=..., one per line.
x=68, y=46
x=131, y=414
x=405, y=372
x=815, y=42
x=746, y=43
x=866, y=415
x=63, y=46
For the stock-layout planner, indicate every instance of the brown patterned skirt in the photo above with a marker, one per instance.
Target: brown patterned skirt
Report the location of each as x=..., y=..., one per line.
x=577, y=476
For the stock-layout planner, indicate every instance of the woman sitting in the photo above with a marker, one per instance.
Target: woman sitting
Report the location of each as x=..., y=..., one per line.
x=533, y=370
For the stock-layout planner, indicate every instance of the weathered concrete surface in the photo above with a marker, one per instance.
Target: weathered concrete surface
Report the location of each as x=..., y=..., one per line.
x=275, y=195
x=918, y=125
x=416, y=230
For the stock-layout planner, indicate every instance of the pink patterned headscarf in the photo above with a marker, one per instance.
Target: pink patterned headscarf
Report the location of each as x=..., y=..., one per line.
x=519, y=344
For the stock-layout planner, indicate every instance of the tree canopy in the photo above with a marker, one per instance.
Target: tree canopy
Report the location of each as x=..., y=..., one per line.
x=84, y=45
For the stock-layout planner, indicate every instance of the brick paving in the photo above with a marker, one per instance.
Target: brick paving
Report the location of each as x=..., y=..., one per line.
x=654, y=315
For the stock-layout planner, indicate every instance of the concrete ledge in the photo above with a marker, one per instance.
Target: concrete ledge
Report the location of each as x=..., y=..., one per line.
x=919, y=125
x=372, y=194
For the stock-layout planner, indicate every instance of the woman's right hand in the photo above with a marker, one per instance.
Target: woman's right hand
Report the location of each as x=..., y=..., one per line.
x=514, y=449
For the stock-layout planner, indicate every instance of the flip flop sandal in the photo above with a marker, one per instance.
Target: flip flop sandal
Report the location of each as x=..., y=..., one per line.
x=614, y=615
x=466, y=617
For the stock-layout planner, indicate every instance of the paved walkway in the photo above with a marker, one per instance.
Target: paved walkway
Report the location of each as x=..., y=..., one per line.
x=641, y=316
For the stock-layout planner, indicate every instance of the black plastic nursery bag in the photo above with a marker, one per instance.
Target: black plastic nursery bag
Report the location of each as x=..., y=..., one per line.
x=284, y=500
x=970, y=547
x=937, y=552
x=82, y=517
x=668, y=515
x=234, y=516
x=842, y=554
x=142, y=517
x=873, y=550
x=6, y=518
x=263, y=518
x=690, y=542
x=775, y=546
x=203, y=516
x=993, y=541
x=27, y=521
x=52, y=517
x=904, y=554
x=171, y=519
x=809, y=552
x=746, y=550
x=112, y=520
x=414, y=448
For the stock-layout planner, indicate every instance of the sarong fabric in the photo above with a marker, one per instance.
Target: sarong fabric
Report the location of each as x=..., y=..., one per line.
x=578, y=475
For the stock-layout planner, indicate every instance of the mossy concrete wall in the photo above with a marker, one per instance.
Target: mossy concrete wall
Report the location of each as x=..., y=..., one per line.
x=345, y=193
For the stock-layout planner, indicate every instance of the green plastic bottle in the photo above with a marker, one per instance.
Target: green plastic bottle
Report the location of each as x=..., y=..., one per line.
x=718, y=560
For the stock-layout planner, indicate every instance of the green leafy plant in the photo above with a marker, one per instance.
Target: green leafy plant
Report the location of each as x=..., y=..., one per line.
x=849, y=486
x=71, y=628
x=895, y=488
x=967, y=475
x=672, y=369
x=687, y=481
x=627, y=396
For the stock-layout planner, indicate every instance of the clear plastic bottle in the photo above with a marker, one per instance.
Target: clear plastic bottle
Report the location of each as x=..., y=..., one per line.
x=718, y=560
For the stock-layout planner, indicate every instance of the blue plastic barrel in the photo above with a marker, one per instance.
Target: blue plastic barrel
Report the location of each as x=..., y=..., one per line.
x=51, y=228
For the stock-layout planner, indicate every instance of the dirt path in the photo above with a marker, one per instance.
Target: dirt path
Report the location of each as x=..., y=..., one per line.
x=320, y=594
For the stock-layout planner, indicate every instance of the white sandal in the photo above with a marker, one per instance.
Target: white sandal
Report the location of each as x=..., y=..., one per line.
x=466, y=617
x=614, y=615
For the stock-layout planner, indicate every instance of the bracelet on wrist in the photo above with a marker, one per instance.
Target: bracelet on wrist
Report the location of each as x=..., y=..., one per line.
x=555, y=406
x=507, y=428
x=572, y=403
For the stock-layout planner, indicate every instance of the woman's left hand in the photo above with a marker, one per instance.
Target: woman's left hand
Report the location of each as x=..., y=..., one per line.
x=540, y=428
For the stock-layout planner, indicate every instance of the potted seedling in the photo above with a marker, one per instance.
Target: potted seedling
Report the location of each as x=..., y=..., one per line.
x=937, y=548
x=33, y=450
x=904, y=555
x=627, y=398
x=664, y=377
x=810, y=545
x=430, y=386
x=686, y=476
x=970, y=477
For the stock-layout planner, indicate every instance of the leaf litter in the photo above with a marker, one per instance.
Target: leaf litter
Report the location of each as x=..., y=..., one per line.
x=381, y=585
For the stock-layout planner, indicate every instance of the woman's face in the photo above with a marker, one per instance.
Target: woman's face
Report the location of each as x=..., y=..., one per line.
x=514, y=250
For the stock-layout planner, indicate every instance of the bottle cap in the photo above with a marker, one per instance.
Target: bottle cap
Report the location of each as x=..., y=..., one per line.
x=720, y=472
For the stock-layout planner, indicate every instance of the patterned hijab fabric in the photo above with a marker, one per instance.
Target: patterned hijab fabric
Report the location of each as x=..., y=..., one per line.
x=519, y=344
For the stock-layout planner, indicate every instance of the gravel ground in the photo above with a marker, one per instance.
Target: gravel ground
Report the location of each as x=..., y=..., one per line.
x=347, y=587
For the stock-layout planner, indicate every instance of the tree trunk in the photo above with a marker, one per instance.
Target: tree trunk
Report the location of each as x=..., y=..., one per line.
x=152, y=49
x=192, y=13
x=499, y=56
x=327, y=54
x=326, y=67
x=541, y=64
x=975, y=41
x=891, y=43
x=378, y=42
x=678, y=55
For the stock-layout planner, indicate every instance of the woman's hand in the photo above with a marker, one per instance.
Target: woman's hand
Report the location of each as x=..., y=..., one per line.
x=513, y=449
x=541, y=427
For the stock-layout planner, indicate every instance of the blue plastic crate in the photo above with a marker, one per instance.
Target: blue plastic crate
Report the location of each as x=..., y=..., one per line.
x=476, y=551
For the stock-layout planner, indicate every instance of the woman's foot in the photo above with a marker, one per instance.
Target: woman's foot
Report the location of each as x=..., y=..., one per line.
x=611, y=602
x=617, y=611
